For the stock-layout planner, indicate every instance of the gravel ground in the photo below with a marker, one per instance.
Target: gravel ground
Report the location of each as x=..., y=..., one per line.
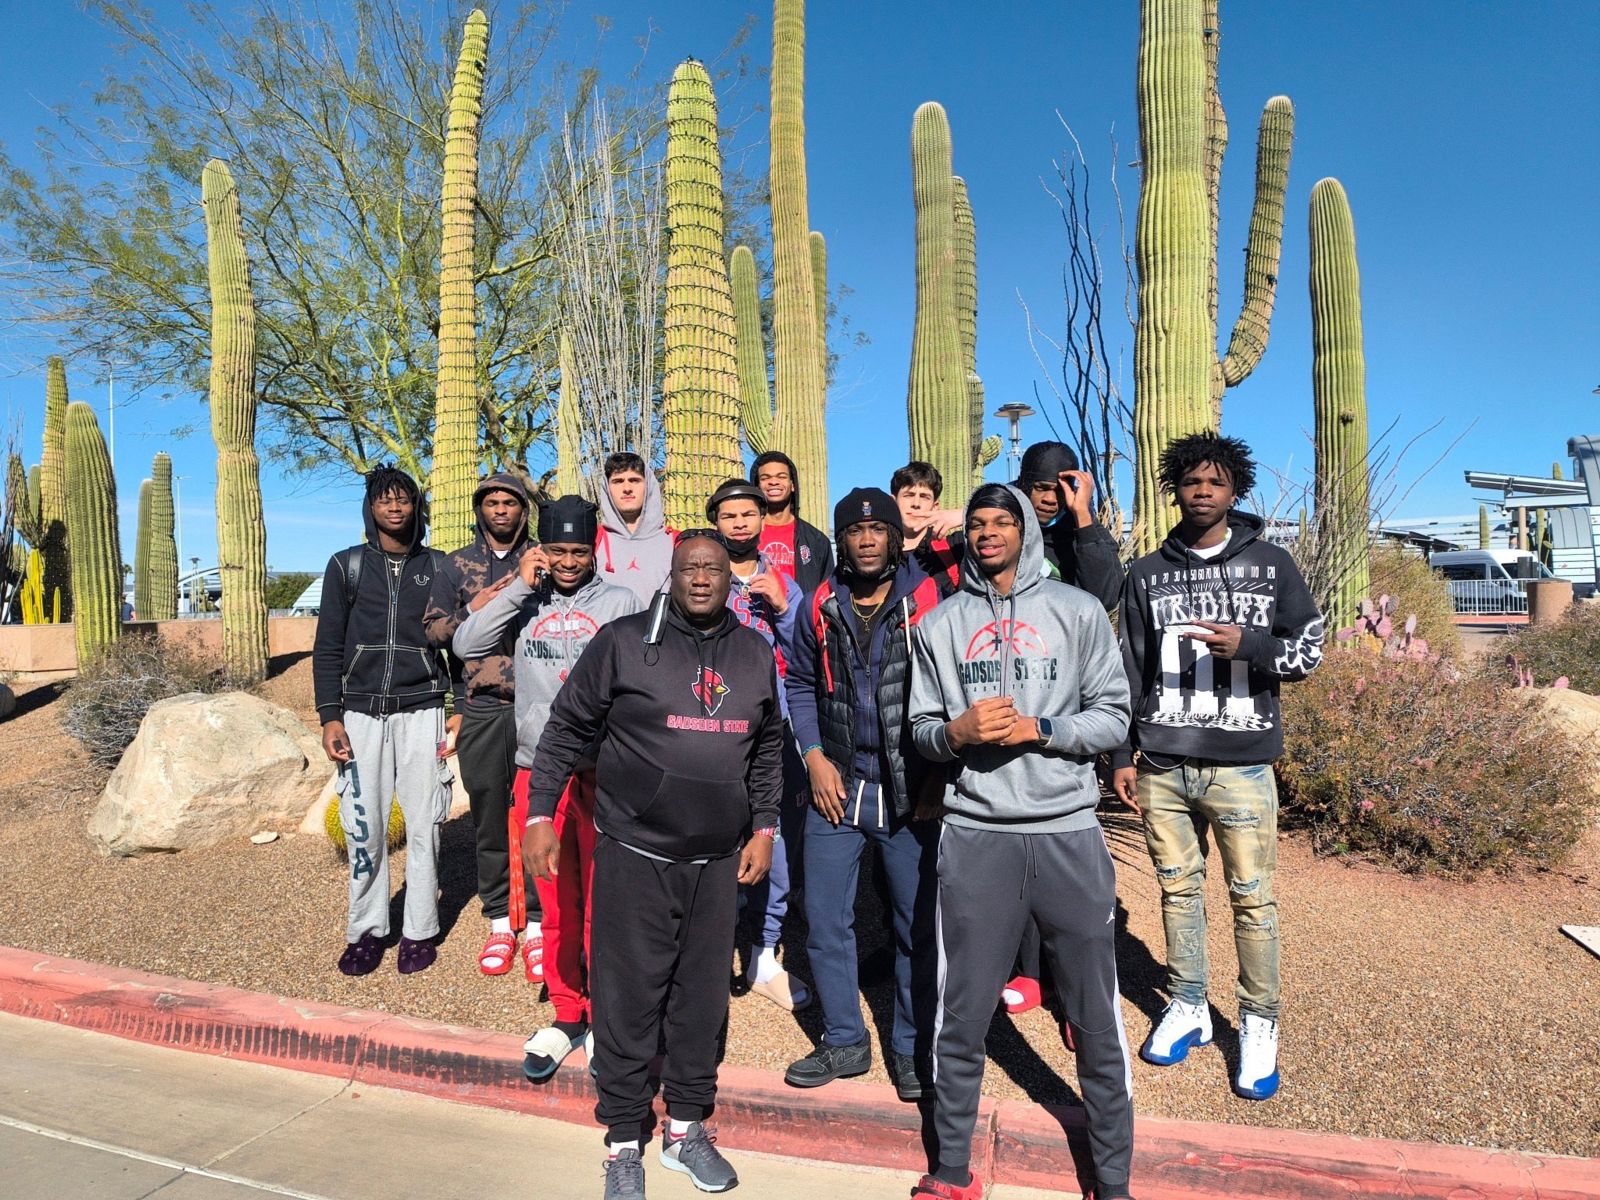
x=1414, y=1008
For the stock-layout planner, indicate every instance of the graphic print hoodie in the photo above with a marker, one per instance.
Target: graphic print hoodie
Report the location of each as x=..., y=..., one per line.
x=639, y=560
x=1047, y=645
x=1187, y=703
x=543, y=632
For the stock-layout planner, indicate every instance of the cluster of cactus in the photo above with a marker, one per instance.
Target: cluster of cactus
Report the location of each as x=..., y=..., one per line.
x=31, y=594
x=455, y=419
x=1338, y=375
x=801, y=387
x=91, y=495
x=241, y=527
x=700, y=397
x=1179, y=379
x=1373, y=630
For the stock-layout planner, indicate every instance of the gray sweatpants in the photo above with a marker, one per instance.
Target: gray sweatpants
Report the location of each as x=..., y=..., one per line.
x=395, y=758
x=990, y=883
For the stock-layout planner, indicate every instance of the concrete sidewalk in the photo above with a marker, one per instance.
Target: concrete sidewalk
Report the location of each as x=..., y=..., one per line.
x=85, y=1116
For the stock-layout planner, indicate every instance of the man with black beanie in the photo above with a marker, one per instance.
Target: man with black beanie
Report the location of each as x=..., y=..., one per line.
x=848, y=684
x=797, y=548
x=543, y=620
x=684, y=702
x=1081, y=550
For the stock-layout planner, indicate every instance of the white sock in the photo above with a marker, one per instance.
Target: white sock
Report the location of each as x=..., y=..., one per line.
x=678, y=1128
x=532, y=931
x=764, y=963
x=618, y=1147
x=499, y=924
x=1010, y=996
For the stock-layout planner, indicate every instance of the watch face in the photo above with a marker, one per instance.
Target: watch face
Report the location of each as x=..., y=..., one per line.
x=1046, y=728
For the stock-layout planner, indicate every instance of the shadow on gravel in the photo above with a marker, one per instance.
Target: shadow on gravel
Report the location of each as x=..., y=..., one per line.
x=279, y=664
x=458, y=878
x=38, y=697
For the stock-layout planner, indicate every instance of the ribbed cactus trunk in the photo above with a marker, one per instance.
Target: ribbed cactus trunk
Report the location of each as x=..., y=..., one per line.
x=92, y=531
x=22, y=501
x=819, y=286
x=754, y=393
x=1183, y=133
x=241, y=527
x=937, y=404
x=700, y=383
x=798, y=428
x=141, y=555
x=455, y=412
x=55, y=547
x=1339, y=382
x=569, y=424
x=163, y=548
x=1484, y=532
x=966, y=233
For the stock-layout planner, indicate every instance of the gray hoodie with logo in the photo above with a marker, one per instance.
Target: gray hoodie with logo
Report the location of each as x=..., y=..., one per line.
x=639, y=559
x=543, y=632
x=1047, y=645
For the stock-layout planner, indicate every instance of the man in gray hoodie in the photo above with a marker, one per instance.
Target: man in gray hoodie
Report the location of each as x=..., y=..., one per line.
x=1018, y=683
x=634, y=545
x=543, y=620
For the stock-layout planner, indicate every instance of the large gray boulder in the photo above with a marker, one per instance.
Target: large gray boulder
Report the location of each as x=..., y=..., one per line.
x=205, y=769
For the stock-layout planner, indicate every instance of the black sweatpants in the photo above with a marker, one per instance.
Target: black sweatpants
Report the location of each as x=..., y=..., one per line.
x=990, y=881
x=661, y=939
x=486, y=748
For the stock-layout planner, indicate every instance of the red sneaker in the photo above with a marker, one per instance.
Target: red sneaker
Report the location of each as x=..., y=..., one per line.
x=929, y=1186
x=1028, y=991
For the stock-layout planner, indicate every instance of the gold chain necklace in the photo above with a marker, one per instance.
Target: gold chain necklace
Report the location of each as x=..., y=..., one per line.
x=864, y=615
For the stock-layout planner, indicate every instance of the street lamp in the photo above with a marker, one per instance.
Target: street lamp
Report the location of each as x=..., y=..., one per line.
x=1014, y=412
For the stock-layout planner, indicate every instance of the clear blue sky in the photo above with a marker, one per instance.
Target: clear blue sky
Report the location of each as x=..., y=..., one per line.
x=1467, y=137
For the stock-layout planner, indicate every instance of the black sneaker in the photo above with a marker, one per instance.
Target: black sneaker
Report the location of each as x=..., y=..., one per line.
x=907, y=1079
x=827, y=1063
x=624, y=1175
x=696, y=1155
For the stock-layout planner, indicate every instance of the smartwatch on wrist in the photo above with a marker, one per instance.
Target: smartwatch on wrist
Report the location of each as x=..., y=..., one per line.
x=1046, y=727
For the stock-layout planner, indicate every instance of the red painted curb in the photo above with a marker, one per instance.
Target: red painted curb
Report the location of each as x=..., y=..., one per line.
x=854, y=1123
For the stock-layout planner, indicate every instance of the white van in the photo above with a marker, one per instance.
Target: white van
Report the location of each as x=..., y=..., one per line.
x=1488, y=581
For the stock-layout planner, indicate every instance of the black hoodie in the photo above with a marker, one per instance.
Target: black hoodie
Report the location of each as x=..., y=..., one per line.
x=691, y=757
x=372, y=655
x=1188, y=703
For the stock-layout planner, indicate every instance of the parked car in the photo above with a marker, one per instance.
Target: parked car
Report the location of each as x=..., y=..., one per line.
x=1488, y=581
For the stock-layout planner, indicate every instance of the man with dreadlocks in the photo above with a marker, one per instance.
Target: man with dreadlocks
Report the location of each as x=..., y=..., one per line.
x=380, y=693
x=848, y=686
x=1211, y=623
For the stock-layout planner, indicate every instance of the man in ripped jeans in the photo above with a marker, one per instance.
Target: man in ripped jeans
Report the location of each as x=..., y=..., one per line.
x=1211, y=623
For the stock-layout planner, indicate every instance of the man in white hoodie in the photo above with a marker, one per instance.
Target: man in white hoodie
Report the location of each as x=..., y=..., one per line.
x=634, y=545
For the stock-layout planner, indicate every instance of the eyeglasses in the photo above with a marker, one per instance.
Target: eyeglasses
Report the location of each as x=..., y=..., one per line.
x=689, y=535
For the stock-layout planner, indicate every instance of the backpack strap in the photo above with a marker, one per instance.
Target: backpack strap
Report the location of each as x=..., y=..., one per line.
x=352, y=574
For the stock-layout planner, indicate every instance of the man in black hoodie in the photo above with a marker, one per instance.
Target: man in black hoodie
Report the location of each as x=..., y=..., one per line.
x=487, y=741
x=1211, y=623
x=380, y=693
x=684, y=702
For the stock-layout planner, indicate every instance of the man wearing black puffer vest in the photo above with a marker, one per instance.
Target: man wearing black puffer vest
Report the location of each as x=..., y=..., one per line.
x=848, y=683
x=684, y=702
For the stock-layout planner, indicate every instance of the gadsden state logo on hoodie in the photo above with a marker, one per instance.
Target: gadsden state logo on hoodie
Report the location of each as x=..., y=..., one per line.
x=709, y=689
x=1029, y=655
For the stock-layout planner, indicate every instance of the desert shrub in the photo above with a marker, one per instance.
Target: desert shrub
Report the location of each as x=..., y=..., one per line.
x=1429, y=770
x=1569, y=646
x=284, y=590
x=105, y=703
x=1417, y=590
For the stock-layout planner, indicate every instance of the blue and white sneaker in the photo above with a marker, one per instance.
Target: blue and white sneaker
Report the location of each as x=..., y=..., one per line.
x=1181, y=1028
x=1258, y=1058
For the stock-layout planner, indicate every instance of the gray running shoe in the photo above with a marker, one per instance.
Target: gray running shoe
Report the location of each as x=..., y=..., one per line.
x=624, y=1176
x=696, y=1155
x=827, y=1063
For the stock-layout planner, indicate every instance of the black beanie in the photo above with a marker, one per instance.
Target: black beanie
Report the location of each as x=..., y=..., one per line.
x=1046, y=460
x=867, y=504
x=996, y=495
x=568, y=519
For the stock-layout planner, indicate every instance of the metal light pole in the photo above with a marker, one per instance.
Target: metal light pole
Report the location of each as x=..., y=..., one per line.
x=111, y=414
x=177, y=512
x=1014, y=412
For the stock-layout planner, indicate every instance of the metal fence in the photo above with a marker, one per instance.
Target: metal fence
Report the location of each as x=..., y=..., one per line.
x=1489, y=597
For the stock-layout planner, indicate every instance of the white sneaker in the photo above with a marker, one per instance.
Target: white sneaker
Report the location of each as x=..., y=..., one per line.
x=1258, y=1058
x=1181, y=1028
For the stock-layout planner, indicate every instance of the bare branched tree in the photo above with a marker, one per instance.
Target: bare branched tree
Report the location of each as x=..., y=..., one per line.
x=1084, y=371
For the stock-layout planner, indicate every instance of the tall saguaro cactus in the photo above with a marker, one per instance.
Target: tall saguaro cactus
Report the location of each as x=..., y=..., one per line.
x=569, y=424
x=937, y=402
x=55, y=550
x=455, y=412
x=241, y=529
x=754, y=394
x=163, y=548
x=798, y=425
x=21, y=503
x=700, y=383
x=1178, y=376
x=984, y=451
x=92, y=531
x=1338, y=377
x=141, y=555
x=1485, y=533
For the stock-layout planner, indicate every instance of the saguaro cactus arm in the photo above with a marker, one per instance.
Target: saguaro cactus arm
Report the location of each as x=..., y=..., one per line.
x=91, y=496
x=754, y=392
x=1274, y=145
